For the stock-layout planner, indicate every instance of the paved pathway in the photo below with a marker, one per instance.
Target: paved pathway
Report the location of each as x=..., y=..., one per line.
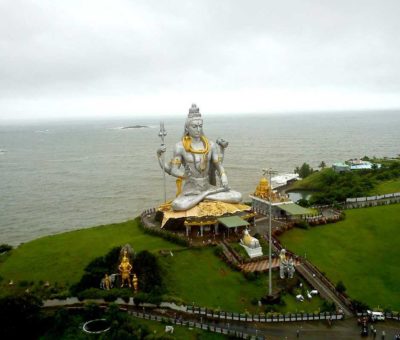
x=262, y=265
x=322, y=288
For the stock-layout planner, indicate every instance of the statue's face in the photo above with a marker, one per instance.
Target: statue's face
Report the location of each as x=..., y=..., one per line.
x=195, y=128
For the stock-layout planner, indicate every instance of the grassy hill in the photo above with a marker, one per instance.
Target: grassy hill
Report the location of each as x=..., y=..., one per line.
x=190, y=275
x=387, y=187
x=362, y=251
x=330, y=187
x=62, y=258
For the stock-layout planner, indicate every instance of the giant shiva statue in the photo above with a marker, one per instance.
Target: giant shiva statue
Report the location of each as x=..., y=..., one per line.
x=198, y=162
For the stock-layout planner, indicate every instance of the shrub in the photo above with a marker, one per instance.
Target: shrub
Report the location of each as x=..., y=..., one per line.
x=4, y=248
x=23, y=283
x=171, y=237
x=340, y=287
x=96, y=270
x=20, y=316
x=218, y=251
x=328, y=306
x=148, y=271
x=140, y=298
x=359, y=306
x=110, y=295
x=302, y=224
x=303, y=202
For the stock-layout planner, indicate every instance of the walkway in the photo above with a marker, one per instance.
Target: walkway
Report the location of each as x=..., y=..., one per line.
x=262, y=265
x=323, y=289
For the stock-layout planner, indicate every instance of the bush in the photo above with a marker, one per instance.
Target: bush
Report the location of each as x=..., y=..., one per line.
x=4, y=248
x=359, y=306
x=340, y=287
x=302, y=224
x=252, y=276
x=110, y=296
x=328, y=306
x=218, y=251
x=303, y=202
x=148, y=271
x=95, y=271
x=140, y=298
x=171, y=237
x=20, y=316
x=23, y=283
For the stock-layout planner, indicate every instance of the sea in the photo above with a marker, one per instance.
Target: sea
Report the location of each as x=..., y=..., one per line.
x=63, y=176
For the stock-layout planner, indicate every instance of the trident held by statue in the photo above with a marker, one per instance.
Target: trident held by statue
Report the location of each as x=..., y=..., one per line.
x=162, y=135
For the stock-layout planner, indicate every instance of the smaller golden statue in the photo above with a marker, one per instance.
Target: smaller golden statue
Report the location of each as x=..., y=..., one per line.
x=135, y=283
x=106, y=282
x=125, y=269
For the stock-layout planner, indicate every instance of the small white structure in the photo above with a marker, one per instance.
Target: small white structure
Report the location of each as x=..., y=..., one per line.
x=300, y=298
x=169, y=329
x=251, y=245
x=314, y=292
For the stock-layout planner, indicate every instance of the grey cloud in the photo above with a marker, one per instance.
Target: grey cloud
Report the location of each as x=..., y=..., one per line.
x=75, y=48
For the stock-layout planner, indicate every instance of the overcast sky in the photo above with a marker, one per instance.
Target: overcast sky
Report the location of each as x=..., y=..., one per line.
x=68, y=59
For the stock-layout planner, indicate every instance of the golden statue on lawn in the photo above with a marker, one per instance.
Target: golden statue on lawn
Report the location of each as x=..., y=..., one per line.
x=135, y=282
x=125, y=269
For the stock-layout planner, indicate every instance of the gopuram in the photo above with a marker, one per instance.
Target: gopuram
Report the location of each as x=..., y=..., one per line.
x=204, y=202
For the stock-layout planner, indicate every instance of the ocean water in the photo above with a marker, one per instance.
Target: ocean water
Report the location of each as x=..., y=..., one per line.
x=57, y=177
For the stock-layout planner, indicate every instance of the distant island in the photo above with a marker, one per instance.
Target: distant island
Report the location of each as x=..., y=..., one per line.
x=135, y=127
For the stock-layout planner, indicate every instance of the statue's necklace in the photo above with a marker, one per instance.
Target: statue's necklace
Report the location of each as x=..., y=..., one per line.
x=187, y=144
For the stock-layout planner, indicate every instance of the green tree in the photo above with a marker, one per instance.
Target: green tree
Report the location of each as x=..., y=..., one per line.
x=304, y=171
x=322, y=165
x=96, y=270
x=340, y=287
x=20, y=316
x=148, y=271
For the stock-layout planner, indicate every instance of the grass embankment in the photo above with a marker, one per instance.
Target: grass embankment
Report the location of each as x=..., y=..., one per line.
x=180, y=332
x=387, y=187
x=191, y=275
x=312, y=182
x=332, y=187
x=199, y=276
x=362, y=251
x=62, y=258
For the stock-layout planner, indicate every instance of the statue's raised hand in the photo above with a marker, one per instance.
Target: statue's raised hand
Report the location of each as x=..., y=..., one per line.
x=161, y=150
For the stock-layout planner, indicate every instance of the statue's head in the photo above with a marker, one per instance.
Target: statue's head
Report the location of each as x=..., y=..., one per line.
x=194, y=123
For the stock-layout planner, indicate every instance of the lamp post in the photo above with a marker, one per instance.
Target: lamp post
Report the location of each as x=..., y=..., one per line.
x=162, y=135
x=269, y=172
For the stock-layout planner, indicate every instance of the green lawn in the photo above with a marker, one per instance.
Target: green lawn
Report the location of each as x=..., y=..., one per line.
x=199, y=276
x=312, y=182
x=387, y=187
x=191, y=275
x=362, y=251
x=180, y=332
x=62, y=258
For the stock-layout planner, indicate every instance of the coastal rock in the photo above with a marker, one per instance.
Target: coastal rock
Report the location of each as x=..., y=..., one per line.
x=135, y=127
